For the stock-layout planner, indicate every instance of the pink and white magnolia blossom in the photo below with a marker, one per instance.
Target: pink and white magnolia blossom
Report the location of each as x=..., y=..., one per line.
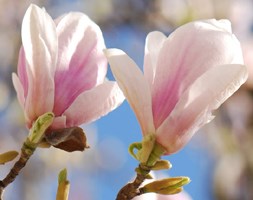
x=186, y=76
x=62, y=69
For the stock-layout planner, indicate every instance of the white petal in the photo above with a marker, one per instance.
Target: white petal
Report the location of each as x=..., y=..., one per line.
x=40, y=47
x=19, y=89
x=195, y=106
x=153, y=45
x=39, y=32
x=94, y=104
x=134, y=86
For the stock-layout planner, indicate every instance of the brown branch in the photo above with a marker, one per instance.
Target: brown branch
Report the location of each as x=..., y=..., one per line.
x=26, y=151
x=131, y=190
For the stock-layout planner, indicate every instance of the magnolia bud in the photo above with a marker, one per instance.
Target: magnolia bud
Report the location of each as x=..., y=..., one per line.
x=63, y=186
x=161, y=164
x=166, y=186
x=8, y=156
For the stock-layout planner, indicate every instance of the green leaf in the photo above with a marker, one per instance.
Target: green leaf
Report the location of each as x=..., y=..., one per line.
x=132, y=147
x=39, y=127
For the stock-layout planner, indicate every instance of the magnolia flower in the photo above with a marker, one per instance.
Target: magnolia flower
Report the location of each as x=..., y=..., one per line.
x=62, y=69
x=186, y=76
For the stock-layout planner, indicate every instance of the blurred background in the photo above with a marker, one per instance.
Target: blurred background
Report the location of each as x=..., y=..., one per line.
x=219, y=159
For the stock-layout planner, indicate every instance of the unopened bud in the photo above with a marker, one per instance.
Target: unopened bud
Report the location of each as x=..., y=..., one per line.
x=8, y=156
x=166, y=186
x=63, y=186
x=161, y=164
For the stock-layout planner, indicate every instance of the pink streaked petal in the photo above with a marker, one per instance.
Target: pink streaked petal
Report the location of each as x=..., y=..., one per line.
x=94, y=103
x=22, y=74
x=188, y=52
x=81, y=58
x=195, y=106
x=153, y=45
x=134, y=86
x=59, y=123
x=19, y=89
x=40, y=47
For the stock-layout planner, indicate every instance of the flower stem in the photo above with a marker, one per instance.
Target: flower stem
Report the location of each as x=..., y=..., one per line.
x=131, y=190
x=27, y=150
x=35, y=136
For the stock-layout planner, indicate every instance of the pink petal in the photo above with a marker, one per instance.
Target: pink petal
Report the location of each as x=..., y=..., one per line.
x=134, y=86
x=22, y=73
x=196, y=104
x=81, y=63
x=19, y=89
x=153, y=45
x=40, y=47
x=94, y=103
x=59, y=122
x=189, y=52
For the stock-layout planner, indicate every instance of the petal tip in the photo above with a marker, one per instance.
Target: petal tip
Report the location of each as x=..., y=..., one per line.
x=113, y=52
